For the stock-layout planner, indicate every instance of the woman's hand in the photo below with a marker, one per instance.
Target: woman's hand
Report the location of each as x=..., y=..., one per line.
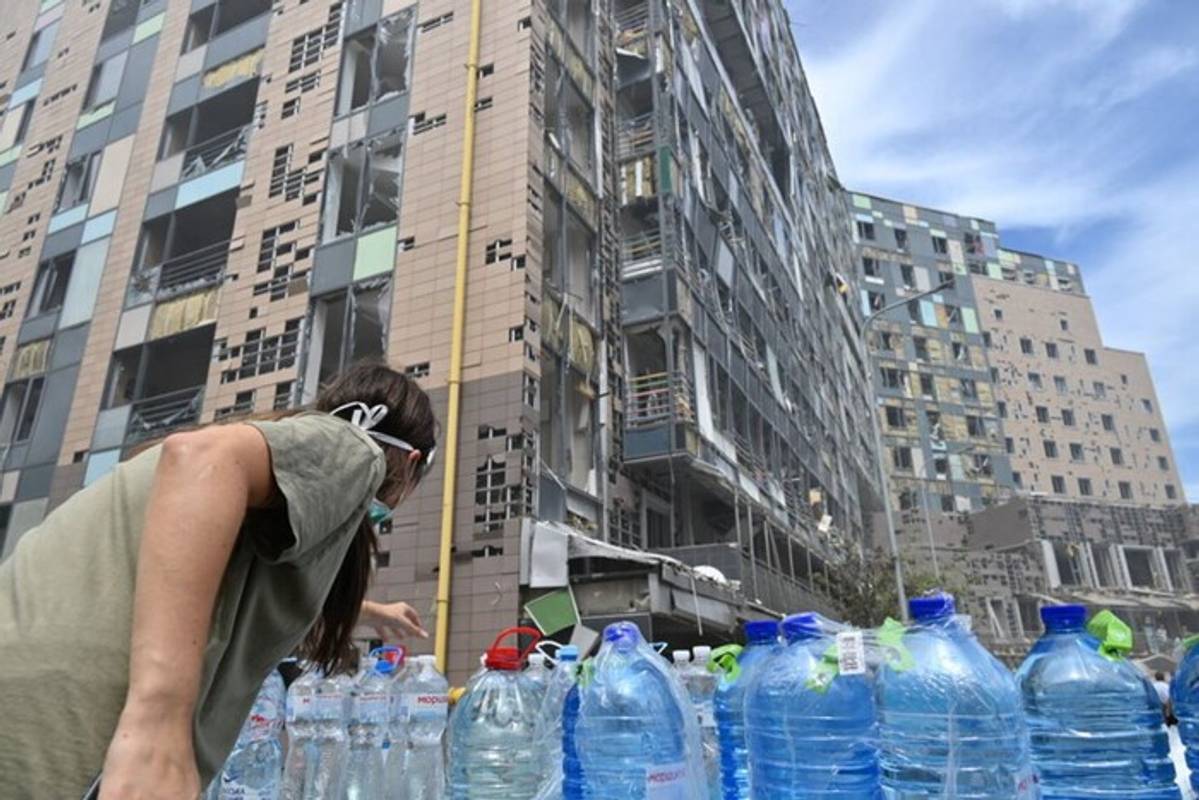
x=393, y=621
x=150, y=758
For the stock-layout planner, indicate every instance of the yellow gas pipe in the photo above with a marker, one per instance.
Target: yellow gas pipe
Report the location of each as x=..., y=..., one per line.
x=454, y=382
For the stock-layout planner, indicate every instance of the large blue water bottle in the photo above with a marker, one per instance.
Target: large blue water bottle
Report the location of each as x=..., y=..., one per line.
x=1184, y=694
x=1095, y=720
x=810, y=726
x=761, y=637
x=950, y=718
x=572, y=771
x=635, y=732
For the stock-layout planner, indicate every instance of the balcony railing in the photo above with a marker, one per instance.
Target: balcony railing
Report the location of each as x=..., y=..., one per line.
x=222, y=149
x=651, y=399
x=184, y=273
x=641, y=254
x=636, y=136
x=632, y=25
x=158, y=416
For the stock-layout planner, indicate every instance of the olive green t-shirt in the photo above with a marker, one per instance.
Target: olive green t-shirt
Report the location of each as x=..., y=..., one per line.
x=66, y=605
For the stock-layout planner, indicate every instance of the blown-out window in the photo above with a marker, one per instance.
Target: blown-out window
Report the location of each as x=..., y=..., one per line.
x=347, y=326
x=375, y=63
x=362, y=186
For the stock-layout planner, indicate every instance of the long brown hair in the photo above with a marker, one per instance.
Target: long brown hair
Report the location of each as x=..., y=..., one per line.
x=410, y=417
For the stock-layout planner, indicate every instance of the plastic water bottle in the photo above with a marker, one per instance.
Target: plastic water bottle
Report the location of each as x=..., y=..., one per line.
x=950, y=718
x=396, y=764
x=370, y=707
x=573, y=787
x=537, y=672
x=1184, y=694
x=493, y=752
x=254, y=768
x=761, y=638
x=549, y=731
x=636, y=733
x=426, y=699
x=809, y=717
x=1095, y=720
x=319, y=747
x=701, y=686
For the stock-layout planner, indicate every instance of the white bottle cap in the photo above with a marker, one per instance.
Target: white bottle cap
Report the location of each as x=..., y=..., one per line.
x=681, y=656
x=702, y=652
x=537, y=659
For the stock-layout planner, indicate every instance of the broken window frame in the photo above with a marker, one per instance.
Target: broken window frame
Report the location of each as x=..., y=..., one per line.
x=320, y=335
x=40, y=46
x=201, y=31
x=103, y=86
x=17, y=421
x=370, y=201
x=14, y=125
x=566, y=104
x=560, y=268
x=382, y=85
x=78, y=181
x=122, y=15
x=50, y=285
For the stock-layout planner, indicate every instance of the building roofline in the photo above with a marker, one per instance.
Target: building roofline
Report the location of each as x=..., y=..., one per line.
x=917, y=205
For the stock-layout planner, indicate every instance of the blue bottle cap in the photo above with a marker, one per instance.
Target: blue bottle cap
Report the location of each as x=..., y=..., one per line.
x=623, y=632
x=568, y=652
x=801, y=626
x=934, y=606
x=761, y=630
x=384, y=667
x=1072, y=616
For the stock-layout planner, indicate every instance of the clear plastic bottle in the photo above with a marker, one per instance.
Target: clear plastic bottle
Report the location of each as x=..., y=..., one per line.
x=951, y=722
x=1096, y=722
x=538, y=671
x=701, y=686
x=318, y=745
x=761, y=639
x=493, y=754
x=549, y=731
x=396, y=763
x=635, y=730
x=426, y=698
x=254, y=769
x=1184, y=694
x=809, y=728
x=370, y=707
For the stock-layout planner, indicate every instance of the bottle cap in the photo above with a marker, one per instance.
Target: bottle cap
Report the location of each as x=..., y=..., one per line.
x=761, y=630
x=931, y=607
x=798, y=627
x=701, y=653
x=625, y=633
x=681, y=656
x=1063, y=616
x=507, y=658
x=537, y=659
x=568, y=652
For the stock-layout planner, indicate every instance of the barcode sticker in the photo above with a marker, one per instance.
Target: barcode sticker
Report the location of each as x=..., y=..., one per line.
x=666, y=782
x=851, y=653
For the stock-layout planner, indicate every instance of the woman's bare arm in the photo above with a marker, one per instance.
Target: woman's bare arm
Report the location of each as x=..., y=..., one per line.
x=205, y=481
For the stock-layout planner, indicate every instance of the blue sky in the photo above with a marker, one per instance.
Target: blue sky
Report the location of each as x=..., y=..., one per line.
x=1072, y=124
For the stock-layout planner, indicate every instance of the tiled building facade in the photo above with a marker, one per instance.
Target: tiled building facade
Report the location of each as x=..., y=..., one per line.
x=209, y=206
x=1028, y=463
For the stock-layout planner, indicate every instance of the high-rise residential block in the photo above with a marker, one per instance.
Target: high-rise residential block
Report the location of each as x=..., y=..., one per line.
x=210, y=206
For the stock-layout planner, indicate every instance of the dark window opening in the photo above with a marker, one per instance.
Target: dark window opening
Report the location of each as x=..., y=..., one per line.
x=50, y=285
x=18, y=409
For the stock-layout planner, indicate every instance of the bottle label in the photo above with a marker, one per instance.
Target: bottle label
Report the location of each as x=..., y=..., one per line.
x=233, y=790
x=666, y=782
x=851, y=653
x=372, y=706
x=427, y=707
x=328, y=706
x=1026, y=786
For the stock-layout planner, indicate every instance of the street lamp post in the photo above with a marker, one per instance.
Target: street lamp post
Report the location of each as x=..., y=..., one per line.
x=901, y=593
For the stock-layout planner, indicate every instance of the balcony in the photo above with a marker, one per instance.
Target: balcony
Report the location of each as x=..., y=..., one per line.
x=219, y=151
x=655, y=398
x=184, y=273
x=784, y=591
x=155, y=417
x=636, y=137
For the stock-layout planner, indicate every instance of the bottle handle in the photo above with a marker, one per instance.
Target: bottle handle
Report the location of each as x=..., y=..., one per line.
x=518, y=632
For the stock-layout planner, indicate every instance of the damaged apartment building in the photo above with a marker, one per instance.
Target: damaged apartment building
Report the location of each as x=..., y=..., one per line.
x=1023, y=455
x=211, y=206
